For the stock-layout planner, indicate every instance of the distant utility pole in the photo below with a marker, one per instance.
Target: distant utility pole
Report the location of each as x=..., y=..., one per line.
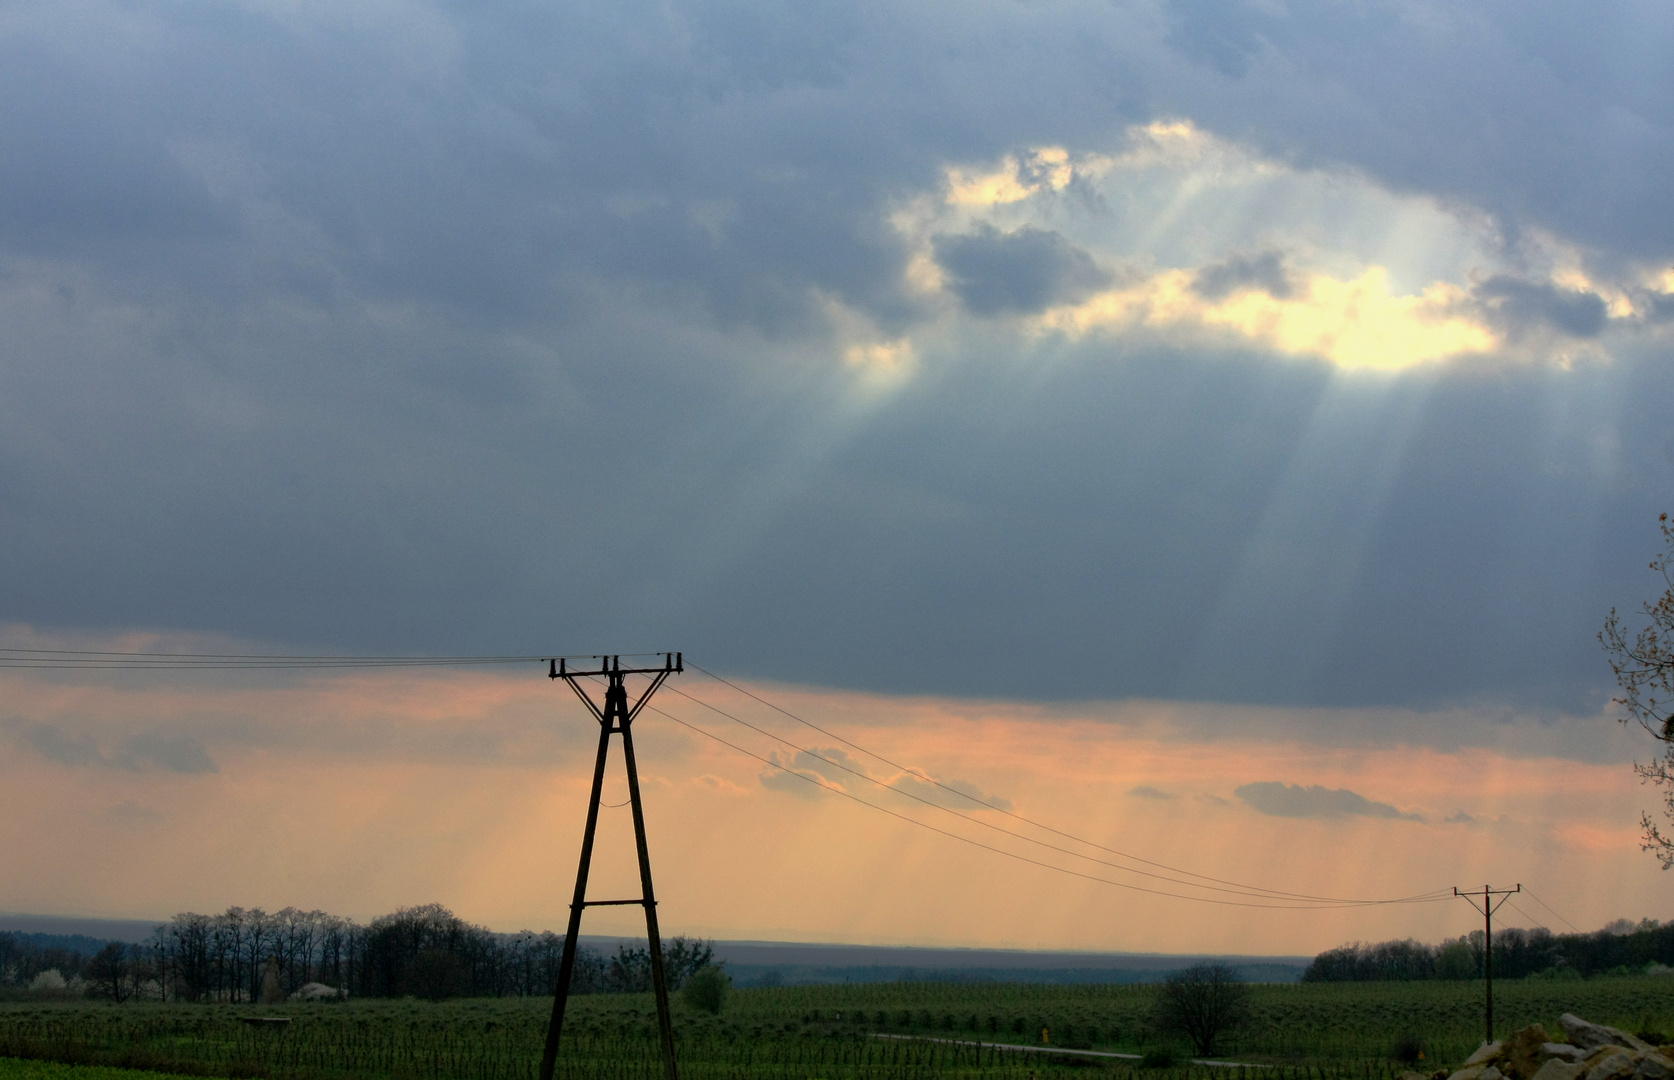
x=1488, y=906
x=614, y=718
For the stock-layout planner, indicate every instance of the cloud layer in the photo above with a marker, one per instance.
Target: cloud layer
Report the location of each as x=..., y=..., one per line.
x=1177, y=343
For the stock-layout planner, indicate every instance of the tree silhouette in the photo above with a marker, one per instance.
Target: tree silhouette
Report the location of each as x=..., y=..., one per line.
x=1203, y=1002
x=1643, y=663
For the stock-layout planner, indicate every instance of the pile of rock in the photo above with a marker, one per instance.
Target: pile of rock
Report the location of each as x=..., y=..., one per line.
x=1593, y=1052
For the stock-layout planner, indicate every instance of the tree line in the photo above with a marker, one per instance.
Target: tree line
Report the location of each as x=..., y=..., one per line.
x=1620, y=948
x=424, y=951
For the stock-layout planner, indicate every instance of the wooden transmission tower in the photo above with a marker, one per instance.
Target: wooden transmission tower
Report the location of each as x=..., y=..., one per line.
x=615, y=718
x=1488, y=906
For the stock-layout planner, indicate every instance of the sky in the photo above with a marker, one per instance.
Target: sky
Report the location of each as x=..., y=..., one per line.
x=1217, y=430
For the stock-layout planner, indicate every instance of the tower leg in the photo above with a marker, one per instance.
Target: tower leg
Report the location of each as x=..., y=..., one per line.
x=566, y=966
x=659, y=979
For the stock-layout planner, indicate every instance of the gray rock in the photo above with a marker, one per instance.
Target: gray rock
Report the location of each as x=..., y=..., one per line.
x=1590, y=1036
x=1491, y=1073
x=1469, y=1072
x=1485, y=1053
x=1558, y=1069
x=1615, y=1064
x=1562, y=1051
x=1654, y=1067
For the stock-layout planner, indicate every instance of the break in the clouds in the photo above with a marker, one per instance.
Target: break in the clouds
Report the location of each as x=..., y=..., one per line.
x=879, y=347
x=1314, y=801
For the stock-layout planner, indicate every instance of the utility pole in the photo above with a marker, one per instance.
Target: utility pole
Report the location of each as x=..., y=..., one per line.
x=614, y=718
x=1488, y=906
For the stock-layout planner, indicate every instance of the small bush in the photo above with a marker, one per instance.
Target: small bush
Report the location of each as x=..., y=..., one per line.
x=706, y=988
x=1408, y=1048
x=1157, y=1057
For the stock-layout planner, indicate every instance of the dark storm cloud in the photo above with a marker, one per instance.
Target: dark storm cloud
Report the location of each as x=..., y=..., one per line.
x=1266, y=271
x=1293, y=800
x=1519, y=305
x=510, y=329
x=1025, y=271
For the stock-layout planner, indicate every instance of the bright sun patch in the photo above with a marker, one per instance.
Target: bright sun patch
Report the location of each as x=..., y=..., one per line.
x=1356, y=323
x=1252, y=251
x=1016, y=179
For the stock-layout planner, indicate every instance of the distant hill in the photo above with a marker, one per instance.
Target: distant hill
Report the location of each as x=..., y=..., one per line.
x=76, y=943
x=790, y=963
x=758, y=963
x=100, y=930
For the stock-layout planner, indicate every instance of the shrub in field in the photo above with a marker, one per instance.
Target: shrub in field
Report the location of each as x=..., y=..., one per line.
x=1408, y=1048
x=1157, y=1057
x=706, y=988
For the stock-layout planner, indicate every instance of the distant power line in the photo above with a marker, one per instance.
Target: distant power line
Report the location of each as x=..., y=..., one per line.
x=111, y=660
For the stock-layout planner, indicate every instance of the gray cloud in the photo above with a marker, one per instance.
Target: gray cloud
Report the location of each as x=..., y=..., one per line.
x=1517, y=304
x=805, y=773
x=140, y=753
x=1293, y=800
x=1027, y=270
x=56, y=745
x=1146, y=791
x=176, y=753
x=1265, y=271
x=944, y=792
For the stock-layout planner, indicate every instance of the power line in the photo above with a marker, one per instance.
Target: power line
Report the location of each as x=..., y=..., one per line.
x=1235, y=886
x=1549, y=907
x=114, y=660
x=1249, y=891
x=1011, y=854
x=1532, y=920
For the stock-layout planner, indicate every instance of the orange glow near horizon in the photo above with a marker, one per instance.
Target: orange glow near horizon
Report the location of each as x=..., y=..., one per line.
x=360, y=793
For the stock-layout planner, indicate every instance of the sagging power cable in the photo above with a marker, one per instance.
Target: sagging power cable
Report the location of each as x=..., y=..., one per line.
x=1256, y=892
x=1011, y=854
x=1233, y=886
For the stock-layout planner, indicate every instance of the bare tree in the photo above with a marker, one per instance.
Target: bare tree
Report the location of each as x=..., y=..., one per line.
x=108, y=971
x=1203, y=1002
x=1643, y=663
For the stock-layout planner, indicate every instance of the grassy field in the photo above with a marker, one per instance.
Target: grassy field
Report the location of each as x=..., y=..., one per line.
x=1317, y=1031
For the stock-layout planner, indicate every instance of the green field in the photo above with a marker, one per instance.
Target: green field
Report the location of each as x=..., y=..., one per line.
x=1319, y=1031
x=24, y=1069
